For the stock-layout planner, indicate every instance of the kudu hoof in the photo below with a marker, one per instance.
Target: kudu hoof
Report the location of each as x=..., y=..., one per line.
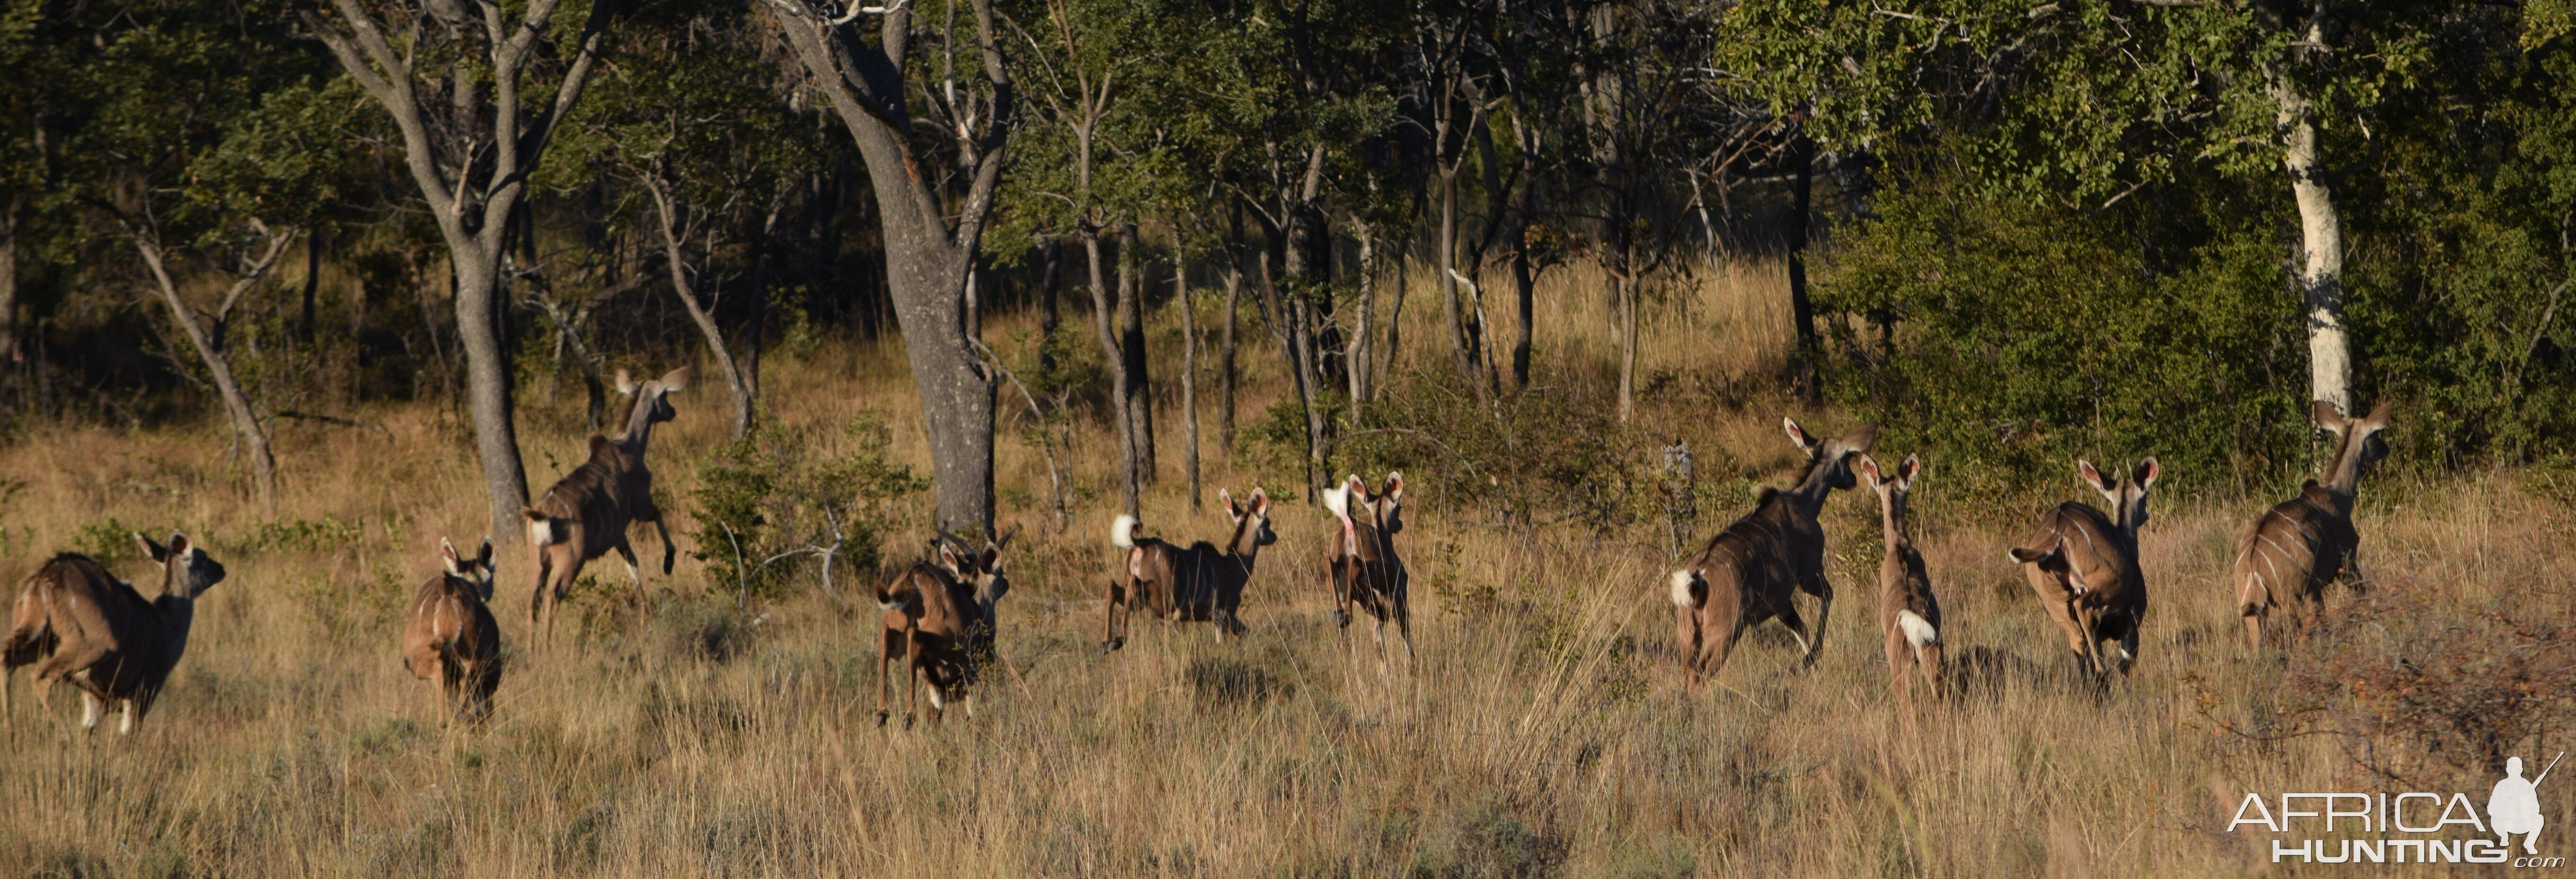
x=1112, y=644
x=1341, y=620
x=907, y=722
x=881, y=718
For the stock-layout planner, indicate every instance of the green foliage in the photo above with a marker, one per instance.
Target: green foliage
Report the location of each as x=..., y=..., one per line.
x=783, y=489
x=306, y=535
x=2004, y=339
x=106, y=540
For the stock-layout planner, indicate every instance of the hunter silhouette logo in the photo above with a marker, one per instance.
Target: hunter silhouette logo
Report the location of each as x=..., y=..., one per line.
x=2406, y=828
x=2515, y=805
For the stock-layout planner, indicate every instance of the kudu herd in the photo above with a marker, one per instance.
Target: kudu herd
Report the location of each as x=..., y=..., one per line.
x=80, y=625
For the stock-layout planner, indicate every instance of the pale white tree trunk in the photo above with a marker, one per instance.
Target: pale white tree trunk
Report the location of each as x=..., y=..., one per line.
x=2320, y=243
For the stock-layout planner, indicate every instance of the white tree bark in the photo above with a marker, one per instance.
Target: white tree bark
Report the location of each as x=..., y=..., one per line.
x=2320, y=242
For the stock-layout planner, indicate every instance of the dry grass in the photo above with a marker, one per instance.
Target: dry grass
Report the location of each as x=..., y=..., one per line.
x=1543, y=730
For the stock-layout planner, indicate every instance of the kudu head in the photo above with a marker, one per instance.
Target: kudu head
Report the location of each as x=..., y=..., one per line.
x=2358, y=444
x=979, y=568
x=1892, y=487
x=2128, y=495
x=186, y=571
x=1251, y=517
x=652, y=397
x=474, y=571
x=1382, y=509
x=1830, y=459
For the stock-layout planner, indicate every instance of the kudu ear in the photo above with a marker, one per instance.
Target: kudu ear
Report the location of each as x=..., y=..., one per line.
x=1393, y=489
x=2380, y=414
x=1225, y=499
x=484, y=556
x=1860, y=440
x=447, y=558
x=625, y=383
x=2330, y=417
x=2094, y=477
x=158, y=553
x=1908, y=471
x=1868, y=466
x=678, y=379
x=1258, y=503
x=1799, y=436
x=2145, y=474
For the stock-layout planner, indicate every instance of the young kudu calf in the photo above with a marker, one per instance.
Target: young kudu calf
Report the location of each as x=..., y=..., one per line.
x=1748, y=572
x=586, y=513
x=939, y=621
x=2083, y=564
x=1200, y=583
x=1360, y=558
x=2299, y=545
x=79, y=625
x=1909, y=617
x=452, y=638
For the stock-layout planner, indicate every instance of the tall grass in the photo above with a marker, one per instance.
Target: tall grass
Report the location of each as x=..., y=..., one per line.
x=1542, y=730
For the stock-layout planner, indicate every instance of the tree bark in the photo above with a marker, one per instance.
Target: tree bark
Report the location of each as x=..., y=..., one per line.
x=1104, y=322
x=2320, y=274
x=736, y=380
x=9, y=283
x=1225, y=363
x=926, y=262
x=1189, y=378
x=1356, y=357
x=209, y=345
x=474, y=219
x=1131, y=351
x=1625, y=290
x=312, y=284
x=1802, y=312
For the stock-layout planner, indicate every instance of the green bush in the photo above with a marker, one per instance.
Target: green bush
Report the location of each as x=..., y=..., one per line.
x=782, y=489
x=2003, y=339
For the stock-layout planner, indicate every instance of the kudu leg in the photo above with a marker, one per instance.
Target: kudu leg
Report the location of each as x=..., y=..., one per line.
x=626, y=552
x=669, y=553
x=1816, y=635
x=1109, y=639
x=91, y=707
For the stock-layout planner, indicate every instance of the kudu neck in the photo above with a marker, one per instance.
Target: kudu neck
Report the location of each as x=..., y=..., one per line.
x=1809, y=495
x=2343, y=474
x=639, y=429
x=1891, y=520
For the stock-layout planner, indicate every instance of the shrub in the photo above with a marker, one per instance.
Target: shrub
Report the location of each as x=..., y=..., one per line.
x=2412, y=678
x=781, y=489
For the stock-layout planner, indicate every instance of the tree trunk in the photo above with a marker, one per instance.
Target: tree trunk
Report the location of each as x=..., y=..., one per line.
x=1460, y=347
x=1189, y=378
x=209, y=347
x=9, y=283
x=1802, y=312
x=1356, y=357
x=487, y=384
x=1131, y=347
x=1625, y=289
x=926, y=263
x=1524, y=276
x=312, y=284
x=1104, y=314
x=735, y=381
x=2320, y=250
x=1225, y=363
x=1050, y=313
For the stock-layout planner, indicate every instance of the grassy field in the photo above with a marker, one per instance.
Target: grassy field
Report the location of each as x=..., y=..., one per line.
x=1543, y=729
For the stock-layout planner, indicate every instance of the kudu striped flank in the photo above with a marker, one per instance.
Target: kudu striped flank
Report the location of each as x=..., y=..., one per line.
x=586, y=513
x=81, y=626
x=2299, y=545
x=1360, y=558
x=2083, y=565
x=1909, y=617
x=1200, y=583
x=452, y=637
x=1749, y=572
x=938, y=619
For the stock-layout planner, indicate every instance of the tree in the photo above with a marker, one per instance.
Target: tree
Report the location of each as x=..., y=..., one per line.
x=928, y=257
x=471, y=153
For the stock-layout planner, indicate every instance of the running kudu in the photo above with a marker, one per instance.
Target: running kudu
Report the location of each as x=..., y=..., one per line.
x=1192, y=584
x=2083, y=565
x=2299, y=545
x=586, y=513
x=1362, y=562
x=1748, y=572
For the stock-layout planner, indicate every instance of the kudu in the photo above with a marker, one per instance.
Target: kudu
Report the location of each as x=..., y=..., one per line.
x=1749, y=572
x=2083, y=564
x=586, y=513
x=1909, y=617
x=452, y=638
x=2299, y=545
x=1360, y=558
x=939, y=621
x=79, y=625
x=1199, y=583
